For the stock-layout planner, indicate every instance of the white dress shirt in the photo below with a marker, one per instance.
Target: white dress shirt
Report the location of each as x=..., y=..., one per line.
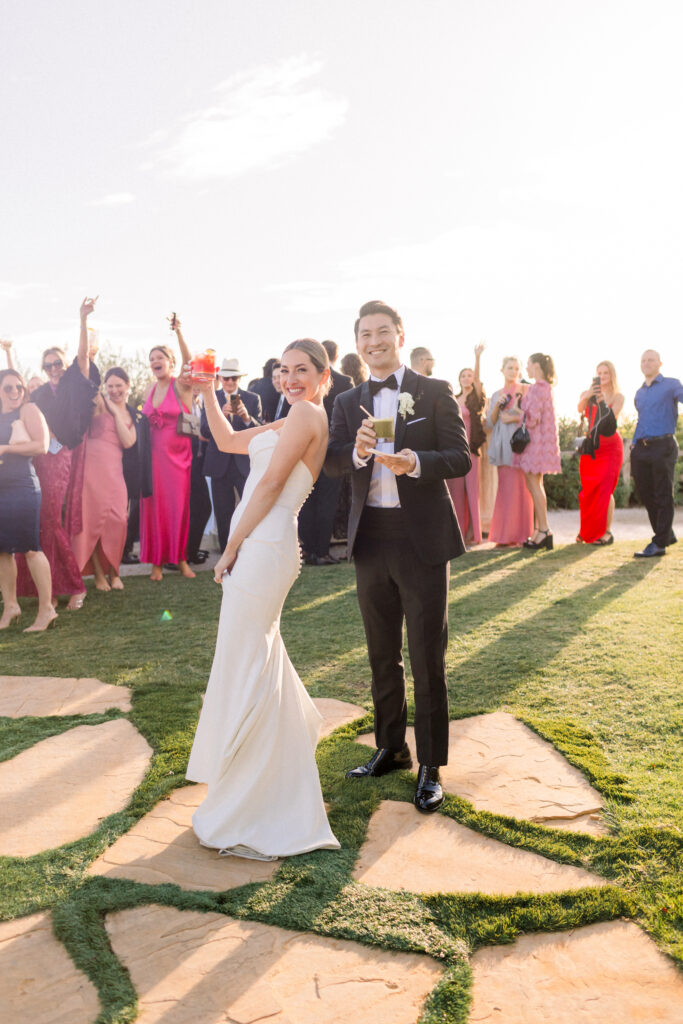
x=383, y=492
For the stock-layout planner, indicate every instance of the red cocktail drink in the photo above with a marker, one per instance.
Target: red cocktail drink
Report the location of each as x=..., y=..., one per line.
x=203, y=365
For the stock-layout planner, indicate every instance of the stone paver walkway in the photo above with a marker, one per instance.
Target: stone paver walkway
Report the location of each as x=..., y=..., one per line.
x=500, y=765
x=193, y=968
x=46, y=695
x=60, y=789
x=431, y=853
x=39, y=983
x=609, y=973
x=162, y=847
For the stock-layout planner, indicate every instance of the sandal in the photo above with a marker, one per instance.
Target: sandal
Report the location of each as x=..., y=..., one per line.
x=75, y=602
x=601, y=542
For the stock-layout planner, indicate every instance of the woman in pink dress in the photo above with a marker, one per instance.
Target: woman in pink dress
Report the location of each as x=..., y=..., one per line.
x=464, y=490
x=101, y=537
x=66, y=402
x=165, y=515
x=542, y=454
x=513, y=513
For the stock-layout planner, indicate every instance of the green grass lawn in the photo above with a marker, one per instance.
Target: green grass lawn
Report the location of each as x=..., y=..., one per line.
x=583, y=644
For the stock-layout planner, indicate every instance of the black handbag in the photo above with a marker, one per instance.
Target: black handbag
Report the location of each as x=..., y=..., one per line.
x=520, y=438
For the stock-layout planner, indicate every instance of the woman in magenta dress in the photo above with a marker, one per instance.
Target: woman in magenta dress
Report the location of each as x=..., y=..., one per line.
x=542, y=454
x=465, y=490
x=66, y=401
x=600, y=469
x=165, y=515
x=513, y=513
x=101, y=525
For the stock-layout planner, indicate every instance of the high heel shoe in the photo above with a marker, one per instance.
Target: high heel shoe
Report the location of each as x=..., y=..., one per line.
x=50, y=624
x=13, y=620
x=536, y=545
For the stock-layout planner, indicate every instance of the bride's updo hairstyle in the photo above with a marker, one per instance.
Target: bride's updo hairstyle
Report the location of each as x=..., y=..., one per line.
x=316, y=353
x=547, y=365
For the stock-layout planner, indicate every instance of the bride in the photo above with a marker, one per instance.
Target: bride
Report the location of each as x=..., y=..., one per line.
x=257, y=733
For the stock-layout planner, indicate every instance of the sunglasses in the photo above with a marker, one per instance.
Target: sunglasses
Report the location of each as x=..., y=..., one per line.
x=9, y=388
x=229, y=378
x=57, y=365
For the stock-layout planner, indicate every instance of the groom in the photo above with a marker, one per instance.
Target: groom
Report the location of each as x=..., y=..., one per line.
x=402, y=533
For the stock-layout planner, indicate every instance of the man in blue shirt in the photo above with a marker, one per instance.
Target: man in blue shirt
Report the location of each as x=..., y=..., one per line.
x=654, y=450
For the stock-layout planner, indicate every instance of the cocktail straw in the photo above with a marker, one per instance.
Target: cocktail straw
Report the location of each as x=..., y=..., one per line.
x=367, y=413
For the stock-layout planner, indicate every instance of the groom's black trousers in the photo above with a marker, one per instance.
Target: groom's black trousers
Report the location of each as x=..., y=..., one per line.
x=393, y=584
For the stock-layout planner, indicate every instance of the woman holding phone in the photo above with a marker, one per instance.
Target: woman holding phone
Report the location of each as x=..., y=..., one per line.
x=602, y=456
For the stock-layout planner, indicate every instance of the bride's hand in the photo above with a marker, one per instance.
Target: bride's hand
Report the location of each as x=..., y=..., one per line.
x=225, y=563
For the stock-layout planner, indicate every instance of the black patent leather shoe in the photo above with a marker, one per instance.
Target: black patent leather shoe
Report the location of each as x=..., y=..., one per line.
x=429, y=794
x=381, y=763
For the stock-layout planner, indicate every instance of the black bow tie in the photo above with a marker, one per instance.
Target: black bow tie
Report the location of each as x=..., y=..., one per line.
x=377, y=385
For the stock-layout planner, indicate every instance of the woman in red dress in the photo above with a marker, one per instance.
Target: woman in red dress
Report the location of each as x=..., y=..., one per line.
x=600, y=470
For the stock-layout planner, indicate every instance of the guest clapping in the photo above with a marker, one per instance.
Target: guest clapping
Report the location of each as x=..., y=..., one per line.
x=542, y=454
x=465, y=490
x=602, y=455
x=23, y=435
x=100, y=516
x=165, y=514
x=513, y=513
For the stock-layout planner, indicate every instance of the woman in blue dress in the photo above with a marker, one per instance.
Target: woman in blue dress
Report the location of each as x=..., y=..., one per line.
x=23, y=434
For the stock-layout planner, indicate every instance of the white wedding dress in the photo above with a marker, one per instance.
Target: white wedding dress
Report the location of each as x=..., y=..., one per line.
x=258, y=729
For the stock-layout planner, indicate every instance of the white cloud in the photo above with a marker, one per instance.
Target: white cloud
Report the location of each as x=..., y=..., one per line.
x=260, y=118
x=113, y=199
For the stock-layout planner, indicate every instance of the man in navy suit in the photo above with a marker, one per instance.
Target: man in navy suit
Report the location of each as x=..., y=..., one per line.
x=229, y=472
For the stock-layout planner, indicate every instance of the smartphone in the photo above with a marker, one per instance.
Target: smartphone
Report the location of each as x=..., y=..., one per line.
x=596, y=383
x=234, y=401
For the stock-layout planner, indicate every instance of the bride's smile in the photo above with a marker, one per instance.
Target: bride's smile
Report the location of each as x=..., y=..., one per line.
x=300, y=379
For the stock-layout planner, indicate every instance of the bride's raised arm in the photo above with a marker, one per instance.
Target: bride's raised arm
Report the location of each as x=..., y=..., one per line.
x=301, y=427
x=235, y=442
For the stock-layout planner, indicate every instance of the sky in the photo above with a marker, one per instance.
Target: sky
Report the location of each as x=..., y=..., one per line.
x=499, y=170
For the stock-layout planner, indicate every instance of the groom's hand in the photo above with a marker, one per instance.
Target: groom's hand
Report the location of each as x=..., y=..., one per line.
x=399, y=463
x=366, y=438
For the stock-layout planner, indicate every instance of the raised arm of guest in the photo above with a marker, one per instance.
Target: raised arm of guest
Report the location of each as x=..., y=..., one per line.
x=183, y=384
x=226, y=437
x=83, y=357
x=476, y=383
x=7, y=346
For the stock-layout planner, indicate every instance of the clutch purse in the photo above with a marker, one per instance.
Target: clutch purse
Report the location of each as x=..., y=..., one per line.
x=520, y=439
x=187, y=424
x=19, y=433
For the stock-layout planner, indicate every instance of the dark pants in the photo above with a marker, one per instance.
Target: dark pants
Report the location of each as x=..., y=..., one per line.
x=133, y=528
x=200, y=508
x=316, y=517
x=393, y=584
x=223, y=493
x=652, y=469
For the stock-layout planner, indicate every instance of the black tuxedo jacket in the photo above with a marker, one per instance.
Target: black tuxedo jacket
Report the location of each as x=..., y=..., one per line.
x=340, y=383
x=436, y=433
x=216, y=462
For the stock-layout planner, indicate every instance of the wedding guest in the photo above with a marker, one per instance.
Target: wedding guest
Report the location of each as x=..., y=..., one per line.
x=67, y=403
x=316, y=517
x=353, y=366
x=200, y=498
x=282, y=405
x=23, y=435
x=513, y=512
x=228, y=471
x=99, y=508
x=602, y=456
x=267, y=390
x=422, y=361
x=6, y=346
x=465, y=490
x=165, y=514
x=654, y=451
x=542, y=454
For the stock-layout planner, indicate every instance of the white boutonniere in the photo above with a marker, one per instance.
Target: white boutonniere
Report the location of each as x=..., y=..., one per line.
x=406, y=404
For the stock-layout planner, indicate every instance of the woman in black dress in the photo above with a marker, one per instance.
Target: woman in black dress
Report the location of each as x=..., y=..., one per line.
x=23, y=434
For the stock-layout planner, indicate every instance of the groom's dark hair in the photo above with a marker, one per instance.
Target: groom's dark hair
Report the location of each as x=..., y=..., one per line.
x=377, y=306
